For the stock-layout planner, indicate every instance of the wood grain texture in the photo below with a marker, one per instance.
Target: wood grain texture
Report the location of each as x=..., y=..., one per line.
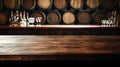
x=45, y=4
x=68, y=18
x=76, y=3
x=93, y=3
x=108, y=3
x=84, y=18
x=3, y=18
x=52, y=45
x=64, y=47
x=54, y=18
x=12, y=4
x=60, y=4
x=28, y=4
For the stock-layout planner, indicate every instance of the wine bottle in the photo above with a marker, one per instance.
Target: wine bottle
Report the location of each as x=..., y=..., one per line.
x=20, y=19
x=24, y=19
x=11, y=19
x=27, y=19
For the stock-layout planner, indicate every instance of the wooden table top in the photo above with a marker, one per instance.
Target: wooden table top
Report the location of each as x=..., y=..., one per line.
x=18, y=45
x=58, y=45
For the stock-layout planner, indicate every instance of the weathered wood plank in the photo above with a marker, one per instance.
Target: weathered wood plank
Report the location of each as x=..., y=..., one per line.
x=58, y=45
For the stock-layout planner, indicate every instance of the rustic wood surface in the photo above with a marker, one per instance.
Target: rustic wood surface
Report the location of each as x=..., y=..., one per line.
x=12, y=4
x=93, y=3
x=109, y=3
x=84, y=18
x=57, y=47
x=54, y=18
x=60, y=4
x=76, y=3
x=35, y=45
x=28, y=4
x=44, y=4
x=68, y=18
x=3, y=18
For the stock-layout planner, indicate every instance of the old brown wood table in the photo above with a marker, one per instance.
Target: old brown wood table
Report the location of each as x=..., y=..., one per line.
x=32, y=47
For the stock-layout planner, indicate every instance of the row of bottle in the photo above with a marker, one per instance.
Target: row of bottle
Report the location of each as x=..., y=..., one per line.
x=112, y=20
x=22, y=19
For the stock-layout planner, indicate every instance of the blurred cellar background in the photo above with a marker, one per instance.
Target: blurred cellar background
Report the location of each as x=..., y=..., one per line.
x=61, y=12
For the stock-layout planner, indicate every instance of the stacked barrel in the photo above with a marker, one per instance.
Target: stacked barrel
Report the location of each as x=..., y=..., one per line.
x=59, y=12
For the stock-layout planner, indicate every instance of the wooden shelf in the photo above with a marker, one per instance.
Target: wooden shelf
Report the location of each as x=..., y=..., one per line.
x=61, y=27
x=61, y=30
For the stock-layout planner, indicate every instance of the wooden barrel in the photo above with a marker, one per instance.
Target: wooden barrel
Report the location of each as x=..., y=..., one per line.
x=28, y=4
x=76, y=4
x=54, y=17
x=119, y=3
x=39, y=14
x=60, y=4
x=12, y=4
x=1, y=4
x=68, y=18
x=93, y=3
x=44, y=4
x=3, y=18
x=108, y=3
x=118, y=18
x=84, y=18
x=98, y=16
